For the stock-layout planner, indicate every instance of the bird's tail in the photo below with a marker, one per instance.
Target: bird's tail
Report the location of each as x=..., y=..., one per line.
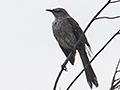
x=90, y=75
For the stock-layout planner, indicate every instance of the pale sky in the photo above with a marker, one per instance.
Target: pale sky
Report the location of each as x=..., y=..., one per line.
x=30, y=57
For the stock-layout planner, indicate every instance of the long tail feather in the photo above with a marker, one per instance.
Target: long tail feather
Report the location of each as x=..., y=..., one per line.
x=90, y=75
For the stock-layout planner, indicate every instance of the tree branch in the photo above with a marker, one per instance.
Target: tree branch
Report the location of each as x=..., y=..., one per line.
x=107, y=17
x=115, y=1
x=118, y=87
x=93, y=58
x=115, y=86
x=97, y=15
x=117, y=80
x=113, y=80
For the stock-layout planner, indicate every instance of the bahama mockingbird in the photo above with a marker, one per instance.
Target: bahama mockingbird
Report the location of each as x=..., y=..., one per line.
x=67, y=31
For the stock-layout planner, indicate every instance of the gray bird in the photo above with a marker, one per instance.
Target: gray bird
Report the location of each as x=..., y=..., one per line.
x=67, y=31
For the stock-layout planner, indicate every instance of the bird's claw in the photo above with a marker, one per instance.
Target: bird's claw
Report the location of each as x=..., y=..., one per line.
x=64, y=67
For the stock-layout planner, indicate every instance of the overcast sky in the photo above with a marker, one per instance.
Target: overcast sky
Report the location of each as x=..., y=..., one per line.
x=30, y=58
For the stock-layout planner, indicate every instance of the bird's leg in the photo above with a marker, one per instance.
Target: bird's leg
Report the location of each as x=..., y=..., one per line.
x=66, y=61
x=63, y=66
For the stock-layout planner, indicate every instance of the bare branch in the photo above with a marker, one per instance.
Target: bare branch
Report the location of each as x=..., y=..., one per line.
x=119, y=32
x=118, y=87
x=96, y=16
x=115, y=86
x=113, y=81
x=107, y=17
x=115, y=1
x=115, y=73
x=117, y=80
x=118, y=70
x=60, y=73
x=93, y=58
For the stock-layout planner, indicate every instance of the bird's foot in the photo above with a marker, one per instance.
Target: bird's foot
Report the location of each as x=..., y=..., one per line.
x=64, y=67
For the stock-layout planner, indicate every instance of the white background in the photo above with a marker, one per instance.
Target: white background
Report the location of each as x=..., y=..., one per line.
x=30, y=57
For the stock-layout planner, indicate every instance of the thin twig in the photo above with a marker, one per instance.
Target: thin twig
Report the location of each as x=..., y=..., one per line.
x=93, y=59
x=115, y=86
x=115, y=1
x=107, y=17
x=115, y=73
x=113, y=80
x=118, y=87
x=57, y=79
x=117, y=80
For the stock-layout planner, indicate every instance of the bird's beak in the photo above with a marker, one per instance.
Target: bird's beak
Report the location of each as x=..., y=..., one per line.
x=49, y=10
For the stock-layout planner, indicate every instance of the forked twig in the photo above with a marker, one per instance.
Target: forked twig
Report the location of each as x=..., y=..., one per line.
x=113, y=86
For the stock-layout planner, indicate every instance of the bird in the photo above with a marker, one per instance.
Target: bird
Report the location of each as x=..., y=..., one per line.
x=67, y=32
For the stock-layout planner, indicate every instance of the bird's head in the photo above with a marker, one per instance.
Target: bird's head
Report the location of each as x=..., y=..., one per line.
x=58, y=12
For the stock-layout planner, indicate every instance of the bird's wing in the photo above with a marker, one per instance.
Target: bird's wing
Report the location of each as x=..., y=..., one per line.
x=78, y=31
x=67, y=52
